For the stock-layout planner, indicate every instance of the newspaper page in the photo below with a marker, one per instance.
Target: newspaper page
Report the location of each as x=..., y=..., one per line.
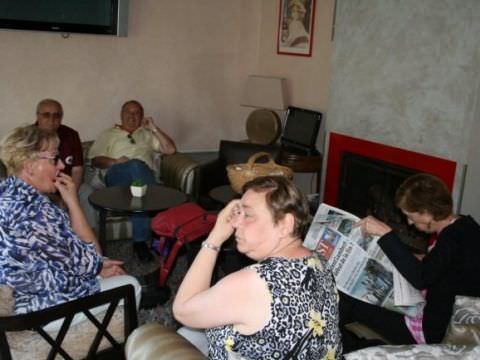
x=361, y=268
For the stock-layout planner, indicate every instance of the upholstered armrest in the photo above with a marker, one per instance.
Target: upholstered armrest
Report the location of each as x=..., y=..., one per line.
x=462, y=340
x=178, y=171
x=464, y=327
x=424, y=352
x=153, y=341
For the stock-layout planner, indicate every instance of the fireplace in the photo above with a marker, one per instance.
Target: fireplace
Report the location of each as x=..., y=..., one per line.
x=367, y=186
x=362, y=177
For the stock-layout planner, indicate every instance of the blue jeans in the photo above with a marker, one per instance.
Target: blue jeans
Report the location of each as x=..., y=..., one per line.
x=122, y=175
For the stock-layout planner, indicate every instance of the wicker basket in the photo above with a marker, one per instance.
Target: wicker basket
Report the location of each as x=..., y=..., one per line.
x=239, y=174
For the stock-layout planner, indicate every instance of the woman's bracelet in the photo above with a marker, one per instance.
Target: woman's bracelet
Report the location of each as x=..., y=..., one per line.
x=207, y=245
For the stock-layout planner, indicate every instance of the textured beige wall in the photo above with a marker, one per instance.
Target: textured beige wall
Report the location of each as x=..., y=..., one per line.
x=185, y=60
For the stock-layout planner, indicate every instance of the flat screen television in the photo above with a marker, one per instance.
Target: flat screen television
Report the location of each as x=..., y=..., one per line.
x=301, y=130
x=106, y=17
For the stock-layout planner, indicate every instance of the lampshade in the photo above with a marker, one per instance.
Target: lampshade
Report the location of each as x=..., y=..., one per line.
x=264, y=92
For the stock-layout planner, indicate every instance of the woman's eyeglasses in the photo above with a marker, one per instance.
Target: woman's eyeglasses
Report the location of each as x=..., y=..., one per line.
x=132, y=140
x=55, y=158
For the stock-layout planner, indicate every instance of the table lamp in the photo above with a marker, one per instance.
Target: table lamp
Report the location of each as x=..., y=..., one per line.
x=266, y=94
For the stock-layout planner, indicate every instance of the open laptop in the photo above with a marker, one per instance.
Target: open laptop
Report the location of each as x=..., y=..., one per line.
x=301, y=131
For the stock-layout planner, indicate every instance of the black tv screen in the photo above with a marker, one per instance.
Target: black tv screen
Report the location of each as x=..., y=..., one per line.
x=301, y=129
x=108, y=17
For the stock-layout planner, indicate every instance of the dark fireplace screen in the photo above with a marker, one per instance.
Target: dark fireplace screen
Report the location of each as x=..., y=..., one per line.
x=367, y=187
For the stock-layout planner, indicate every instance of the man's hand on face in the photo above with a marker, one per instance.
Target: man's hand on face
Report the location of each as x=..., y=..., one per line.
x=149, y=124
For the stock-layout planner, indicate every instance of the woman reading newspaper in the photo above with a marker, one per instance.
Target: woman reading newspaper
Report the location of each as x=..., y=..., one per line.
x=450, y=267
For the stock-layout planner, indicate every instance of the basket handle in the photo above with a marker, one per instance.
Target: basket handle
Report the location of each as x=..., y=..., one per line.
x=252, y=159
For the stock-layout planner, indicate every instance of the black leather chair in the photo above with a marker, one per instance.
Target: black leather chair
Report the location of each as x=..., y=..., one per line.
x=83, y=340
x=212, y=174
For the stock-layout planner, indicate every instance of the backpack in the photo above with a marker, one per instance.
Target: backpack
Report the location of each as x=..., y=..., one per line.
x=176, y=227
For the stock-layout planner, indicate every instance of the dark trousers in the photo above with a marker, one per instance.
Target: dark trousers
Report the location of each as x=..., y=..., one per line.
x=389, y=324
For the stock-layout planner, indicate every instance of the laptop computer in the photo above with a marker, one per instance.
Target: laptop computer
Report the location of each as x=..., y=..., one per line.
x=301, y=131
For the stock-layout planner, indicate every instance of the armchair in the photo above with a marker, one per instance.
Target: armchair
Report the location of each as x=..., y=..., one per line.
x=212, y=174
x=23, y=337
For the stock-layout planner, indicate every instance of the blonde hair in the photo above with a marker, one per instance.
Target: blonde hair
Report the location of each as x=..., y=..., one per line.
x=23, y=143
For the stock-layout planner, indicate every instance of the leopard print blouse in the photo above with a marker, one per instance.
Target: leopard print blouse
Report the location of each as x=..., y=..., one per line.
x=304, y=321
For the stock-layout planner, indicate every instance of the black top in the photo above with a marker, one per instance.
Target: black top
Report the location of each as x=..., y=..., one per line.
x=450, y=268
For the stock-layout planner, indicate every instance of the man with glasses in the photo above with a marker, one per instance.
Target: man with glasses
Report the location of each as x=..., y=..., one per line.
x=124, y=153
x=49, y=117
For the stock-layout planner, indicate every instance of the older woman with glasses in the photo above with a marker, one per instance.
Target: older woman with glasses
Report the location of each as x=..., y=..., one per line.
x=48, y=256
x=449, y=268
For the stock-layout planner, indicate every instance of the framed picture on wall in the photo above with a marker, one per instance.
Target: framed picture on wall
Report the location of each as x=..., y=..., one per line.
x=295, y=27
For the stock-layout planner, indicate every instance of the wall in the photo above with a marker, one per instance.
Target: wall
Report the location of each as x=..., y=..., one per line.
x=184, y=60
x=471, y=193
x=308, y=78
x=405, y=73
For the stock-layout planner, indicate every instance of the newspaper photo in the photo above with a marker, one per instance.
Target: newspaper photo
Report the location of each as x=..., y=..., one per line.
x=360, y=267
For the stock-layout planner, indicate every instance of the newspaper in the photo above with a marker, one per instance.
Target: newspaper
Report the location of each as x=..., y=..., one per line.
x=360, y=267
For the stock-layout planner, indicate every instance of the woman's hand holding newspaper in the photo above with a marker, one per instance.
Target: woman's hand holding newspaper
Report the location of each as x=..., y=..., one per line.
x=372, y=226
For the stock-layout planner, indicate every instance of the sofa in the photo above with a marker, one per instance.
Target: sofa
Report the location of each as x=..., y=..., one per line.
x=462, y=341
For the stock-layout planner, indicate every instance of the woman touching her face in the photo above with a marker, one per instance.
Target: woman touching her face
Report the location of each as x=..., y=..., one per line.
x=49, y=255
x=285, y=306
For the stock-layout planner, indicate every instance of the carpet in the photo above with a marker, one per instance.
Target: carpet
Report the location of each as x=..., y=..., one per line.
x=161, y=314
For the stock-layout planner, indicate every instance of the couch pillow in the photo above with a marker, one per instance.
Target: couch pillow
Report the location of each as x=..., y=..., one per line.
x=464, y=327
